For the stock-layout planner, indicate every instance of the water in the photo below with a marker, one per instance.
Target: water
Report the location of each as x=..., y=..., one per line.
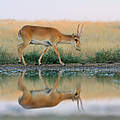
x=99, y=92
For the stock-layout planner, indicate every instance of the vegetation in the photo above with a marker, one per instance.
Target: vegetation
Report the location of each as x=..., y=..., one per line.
x=100, y=42
x=109, y=56
x=6, y=58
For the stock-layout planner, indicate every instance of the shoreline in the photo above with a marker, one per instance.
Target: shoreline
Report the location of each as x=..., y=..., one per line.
x=103, y=67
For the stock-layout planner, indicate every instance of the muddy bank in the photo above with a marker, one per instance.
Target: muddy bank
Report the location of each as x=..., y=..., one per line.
x=68, y=67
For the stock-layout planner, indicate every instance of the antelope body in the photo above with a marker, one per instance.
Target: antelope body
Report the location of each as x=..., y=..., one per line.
x=47, y=97
x=46, y=36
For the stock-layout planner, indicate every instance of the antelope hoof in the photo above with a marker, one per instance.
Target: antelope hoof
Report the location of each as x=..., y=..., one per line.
x=62, y=64
x=19, y=62
x=39, y=63
x=25, y=64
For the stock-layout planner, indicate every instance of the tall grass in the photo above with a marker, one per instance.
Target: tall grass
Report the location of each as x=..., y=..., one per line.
x=98, y=39
x=95, y=36
x=6, y=58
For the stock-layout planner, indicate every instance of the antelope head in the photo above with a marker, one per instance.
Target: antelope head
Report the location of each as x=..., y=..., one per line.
x=76, y=38
x=77, y=98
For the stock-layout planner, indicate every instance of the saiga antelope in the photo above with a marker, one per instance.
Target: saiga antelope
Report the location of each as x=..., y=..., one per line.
x=47, y=97
x=46, y=36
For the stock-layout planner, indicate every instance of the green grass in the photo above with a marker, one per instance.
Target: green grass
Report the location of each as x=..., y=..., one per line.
x=109, y=56
x=103, y=56
x=51, y=58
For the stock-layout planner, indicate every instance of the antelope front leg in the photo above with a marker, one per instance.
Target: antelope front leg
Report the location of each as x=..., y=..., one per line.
x=55, y=48
x=56, y=84
x=45, y=50
x=46, y=86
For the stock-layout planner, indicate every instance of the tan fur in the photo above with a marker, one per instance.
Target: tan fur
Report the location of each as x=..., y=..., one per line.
x=46, y=97
x=46, y=36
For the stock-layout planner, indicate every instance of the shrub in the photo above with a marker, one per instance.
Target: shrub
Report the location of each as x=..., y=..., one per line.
x=108, y=56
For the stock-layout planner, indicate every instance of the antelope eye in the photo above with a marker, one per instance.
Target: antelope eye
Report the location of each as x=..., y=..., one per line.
x=76, y=40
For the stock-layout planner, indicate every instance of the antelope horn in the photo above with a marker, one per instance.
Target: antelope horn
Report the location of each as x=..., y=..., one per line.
x=78, y=28
x=78, y=104
x=81, y=103
x=79, y=32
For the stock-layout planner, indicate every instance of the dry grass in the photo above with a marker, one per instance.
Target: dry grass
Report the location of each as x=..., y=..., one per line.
x=96, y=36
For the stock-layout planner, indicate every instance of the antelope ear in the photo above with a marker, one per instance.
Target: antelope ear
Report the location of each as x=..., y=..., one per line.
x=73, y=35
x=78, y=35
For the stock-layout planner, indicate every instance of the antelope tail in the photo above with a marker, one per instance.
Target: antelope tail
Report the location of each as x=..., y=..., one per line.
x=19, y=34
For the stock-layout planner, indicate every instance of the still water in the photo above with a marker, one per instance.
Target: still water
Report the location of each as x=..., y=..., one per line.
x=99, y=93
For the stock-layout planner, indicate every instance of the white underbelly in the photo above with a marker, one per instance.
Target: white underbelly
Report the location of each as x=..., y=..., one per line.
x=41, y=92
x=43, y=42
x=64, y=42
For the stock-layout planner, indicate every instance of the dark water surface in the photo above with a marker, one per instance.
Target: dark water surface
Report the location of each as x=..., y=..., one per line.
x=100, y=94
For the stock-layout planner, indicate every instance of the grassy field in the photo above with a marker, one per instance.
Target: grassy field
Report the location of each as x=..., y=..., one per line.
x=97, y=37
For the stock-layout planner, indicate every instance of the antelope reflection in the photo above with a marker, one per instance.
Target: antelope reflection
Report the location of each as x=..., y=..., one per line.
x=47, y=97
